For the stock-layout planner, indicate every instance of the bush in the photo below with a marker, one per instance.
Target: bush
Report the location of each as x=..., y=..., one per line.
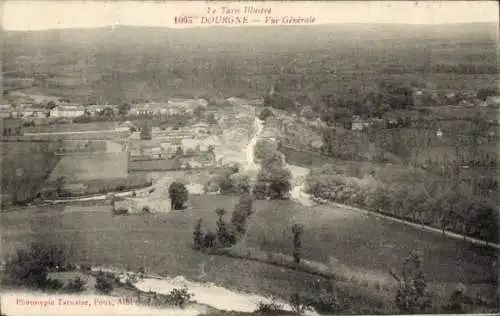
x=225, y=236
x=53, y=285
x=300, y=302
x=264, y=114
x=271, y=307
x=242, y=211
x=86, y=267
x=76, y=285
x=457, y=301
x=260, y=190
x=31, y=267
x=120, y=211
x=209, y=240
x=178, y=195
x=178, y=297
x=241, y=184
x=198, y=238
x=226, y=185
x=297, y=230
x=105, y=282
x=273, y=180
x=412, y=296
x=326, y=303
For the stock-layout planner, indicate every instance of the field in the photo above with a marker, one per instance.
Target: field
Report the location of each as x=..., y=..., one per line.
x=364, y=245
x=384, y=172
x=345, y=236
x=153, y=165
x=161, y=242
x=25, y=165
x=73, y=127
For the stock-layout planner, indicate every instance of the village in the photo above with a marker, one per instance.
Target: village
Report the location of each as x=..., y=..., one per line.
x=119, y=147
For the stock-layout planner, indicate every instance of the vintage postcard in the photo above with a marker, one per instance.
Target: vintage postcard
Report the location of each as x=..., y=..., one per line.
x=249, y=158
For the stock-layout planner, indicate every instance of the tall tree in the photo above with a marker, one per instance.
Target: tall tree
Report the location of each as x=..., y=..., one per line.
x=412, y=296
x=224, y=235
x=198, y=237
x=297, y=230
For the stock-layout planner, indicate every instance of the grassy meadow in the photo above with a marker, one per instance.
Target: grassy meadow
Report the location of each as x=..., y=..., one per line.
x=364, y=246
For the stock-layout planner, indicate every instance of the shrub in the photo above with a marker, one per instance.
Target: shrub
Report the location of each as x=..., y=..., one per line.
x=226, y=184
x=412, y=296
x=178, y=297
x=70, y=267
x=260, y=190
x=264, y=114
x=105, y=282
x=225, y=237
x=326, y=303
x=30, y=267
x=241, y=184
x=209, y=240
x=53, y=285
x=457, y=301
x=198, y=241
x=146, y=209
x=300, y=302
x=297, y=230
x=86, y=267
x=271, y=307
x=178, y=195
x=273, y=180
x=242, y=211
x=75, y=286
x=120, y=211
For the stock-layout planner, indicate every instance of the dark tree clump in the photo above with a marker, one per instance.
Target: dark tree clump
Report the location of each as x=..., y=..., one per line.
x=178, y=195
x=297, y=230
x=105, y=282
x=198, y=238
x=413, y=296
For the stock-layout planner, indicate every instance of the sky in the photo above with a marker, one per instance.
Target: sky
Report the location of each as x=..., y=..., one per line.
x=40, y=15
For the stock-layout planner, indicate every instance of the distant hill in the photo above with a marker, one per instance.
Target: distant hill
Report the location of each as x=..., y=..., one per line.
x=249, y=36
x=129, y=62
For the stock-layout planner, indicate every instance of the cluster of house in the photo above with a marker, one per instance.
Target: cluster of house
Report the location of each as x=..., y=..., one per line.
x=465, y=98
x=30, y=109
x=63, y=111
x=189, y=141
x=171, y=107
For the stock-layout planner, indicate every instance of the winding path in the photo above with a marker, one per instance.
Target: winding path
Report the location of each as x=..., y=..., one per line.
x=250, y=149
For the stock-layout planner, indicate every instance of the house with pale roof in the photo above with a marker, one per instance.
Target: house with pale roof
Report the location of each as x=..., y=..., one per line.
x=67, y=111
x=34, y=112
x=94, y=109
x=359, y=124
x=493, y=101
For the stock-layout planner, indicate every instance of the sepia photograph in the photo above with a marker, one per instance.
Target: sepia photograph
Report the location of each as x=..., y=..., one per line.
x=249, y=158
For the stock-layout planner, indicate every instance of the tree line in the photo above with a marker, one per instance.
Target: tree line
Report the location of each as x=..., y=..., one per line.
x=449, y=208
